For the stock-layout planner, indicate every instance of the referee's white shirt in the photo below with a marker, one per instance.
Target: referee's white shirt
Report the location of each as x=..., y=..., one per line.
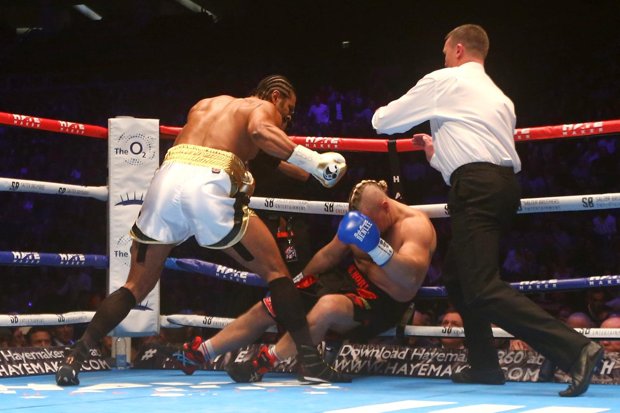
x=470, y=117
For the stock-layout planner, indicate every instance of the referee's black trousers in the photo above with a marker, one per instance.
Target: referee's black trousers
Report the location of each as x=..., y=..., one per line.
x=482, y=202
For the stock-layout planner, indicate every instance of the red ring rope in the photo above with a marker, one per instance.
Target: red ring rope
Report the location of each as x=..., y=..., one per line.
x=324, y=143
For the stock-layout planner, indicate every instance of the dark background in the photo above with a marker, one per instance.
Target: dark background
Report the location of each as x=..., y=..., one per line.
x=543, y=53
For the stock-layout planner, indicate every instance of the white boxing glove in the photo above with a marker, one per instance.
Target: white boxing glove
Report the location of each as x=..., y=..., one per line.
x=328, y=168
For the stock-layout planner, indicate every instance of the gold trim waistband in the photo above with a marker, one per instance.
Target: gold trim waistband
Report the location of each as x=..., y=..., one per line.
x=209, y=157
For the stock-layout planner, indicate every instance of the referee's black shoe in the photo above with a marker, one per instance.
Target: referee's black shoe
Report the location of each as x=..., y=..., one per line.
x=583, y=369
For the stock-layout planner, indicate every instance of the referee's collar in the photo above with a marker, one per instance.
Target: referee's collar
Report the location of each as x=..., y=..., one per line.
x=473, y=65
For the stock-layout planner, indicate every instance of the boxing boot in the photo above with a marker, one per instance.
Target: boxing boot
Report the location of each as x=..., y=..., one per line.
x=252, y=370
x=67, y=373
x=190, y=359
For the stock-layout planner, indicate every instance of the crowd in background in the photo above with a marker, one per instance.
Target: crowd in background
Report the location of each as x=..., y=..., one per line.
x=541, y=246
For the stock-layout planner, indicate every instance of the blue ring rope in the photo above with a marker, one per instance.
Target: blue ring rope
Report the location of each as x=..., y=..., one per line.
x=222, y=272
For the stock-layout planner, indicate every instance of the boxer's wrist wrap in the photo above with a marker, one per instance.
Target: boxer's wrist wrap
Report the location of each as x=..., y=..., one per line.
x=305, y=158
x=382, y=253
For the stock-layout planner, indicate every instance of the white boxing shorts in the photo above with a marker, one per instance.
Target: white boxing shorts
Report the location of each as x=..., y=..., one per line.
x=197, y=191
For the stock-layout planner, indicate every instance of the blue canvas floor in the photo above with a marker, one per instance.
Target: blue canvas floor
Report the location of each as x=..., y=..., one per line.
x=138, y=391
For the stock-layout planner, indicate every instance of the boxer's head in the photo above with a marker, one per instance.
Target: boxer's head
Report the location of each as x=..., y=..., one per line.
x=278, y=90
x=355, y=197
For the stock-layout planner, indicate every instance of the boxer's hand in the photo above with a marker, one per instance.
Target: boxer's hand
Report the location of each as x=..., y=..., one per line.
x=359, y=230
x=328, y=168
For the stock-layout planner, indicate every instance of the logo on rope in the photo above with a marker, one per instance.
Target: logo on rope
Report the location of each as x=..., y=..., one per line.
x=27, y=121
x=207, y=320
x=72, y=259
x=579, y=129
x=136, y=148
x=538, y=285
x=71, y=127
x=26, y=257
x=604, y=280
x=231, y=274
x=317, y=142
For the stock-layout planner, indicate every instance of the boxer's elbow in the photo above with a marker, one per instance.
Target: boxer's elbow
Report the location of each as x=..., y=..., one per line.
x=260, y=133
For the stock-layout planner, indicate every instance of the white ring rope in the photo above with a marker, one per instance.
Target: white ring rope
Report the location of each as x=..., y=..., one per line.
x=189, y=320
x=24, y=320
x=52, y=188
x=528, y=205
x=414, y=331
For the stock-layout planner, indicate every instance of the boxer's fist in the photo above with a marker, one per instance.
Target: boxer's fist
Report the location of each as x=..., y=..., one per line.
x=357, y=229
x=331, y=168
x=328, y=168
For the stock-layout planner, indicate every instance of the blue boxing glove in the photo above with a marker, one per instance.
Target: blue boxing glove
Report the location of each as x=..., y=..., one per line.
x=357, y=229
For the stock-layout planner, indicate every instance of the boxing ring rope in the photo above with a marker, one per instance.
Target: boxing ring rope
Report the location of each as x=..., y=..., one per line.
x=224, y=273
x=203, y=321
x=528, y=205
x=532, y=205
x=229, y=274
x=575, y=130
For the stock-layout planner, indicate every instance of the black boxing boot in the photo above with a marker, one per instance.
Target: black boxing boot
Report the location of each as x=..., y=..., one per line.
x=315, y=370
x=67, y=373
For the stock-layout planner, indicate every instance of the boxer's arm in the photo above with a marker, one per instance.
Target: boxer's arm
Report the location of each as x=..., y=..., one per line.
x=264, y=128
x=328, y=168
x=327, y=257
x=293, y=171
x=410, y=262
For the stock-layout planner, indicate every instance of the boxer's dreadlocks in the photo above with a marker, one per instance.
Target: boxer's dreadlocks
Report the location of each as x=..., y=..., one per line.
x=275, y=82
x=356, y=193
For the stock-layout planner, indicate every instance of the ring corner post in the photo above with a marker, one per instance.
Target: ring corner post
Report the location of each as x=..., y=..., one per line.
x=133, y=158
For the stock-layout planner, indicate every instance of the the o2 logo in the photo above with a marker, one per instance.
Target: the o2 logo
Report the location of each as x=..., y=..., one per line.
x=136, y=148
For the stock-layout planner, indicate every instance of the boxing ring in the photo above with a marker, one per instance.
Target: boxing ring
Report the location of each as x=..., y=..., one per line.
x=163, y=390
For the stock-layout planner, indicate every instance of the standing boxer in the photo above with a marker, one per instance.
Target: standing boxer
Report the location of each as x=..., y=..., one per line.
x=202, y=189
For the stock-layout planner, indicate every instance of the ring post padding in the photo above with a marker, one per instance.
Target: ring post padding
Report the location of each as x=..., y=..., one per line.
x=133, y=157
